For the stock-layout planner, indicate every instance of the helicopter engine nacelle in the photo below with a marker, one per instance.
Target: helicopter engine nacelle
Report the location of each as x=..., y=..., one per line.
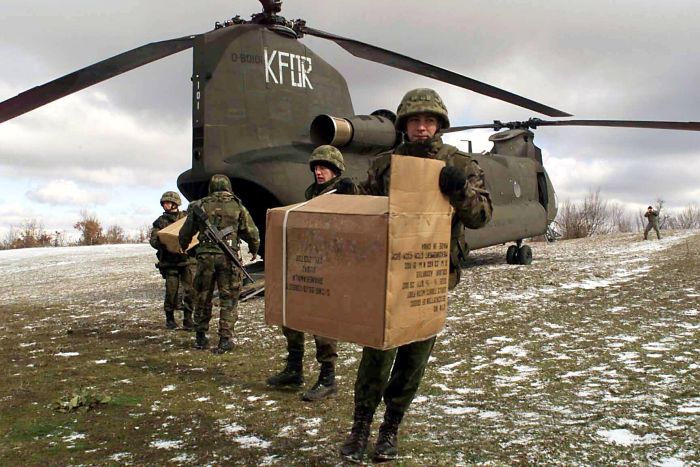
x=518, y=143
x=359, y=134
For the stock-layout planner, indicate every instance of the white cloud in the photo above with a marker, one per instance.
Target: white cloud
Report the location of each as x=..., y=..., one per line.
x=87, y=139
x=66, y=192
x=131, y=135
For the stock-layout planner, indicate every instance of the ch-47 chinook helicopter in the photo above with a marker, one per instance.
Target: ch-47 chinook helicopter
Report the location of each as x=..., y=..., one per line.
x=262, y=100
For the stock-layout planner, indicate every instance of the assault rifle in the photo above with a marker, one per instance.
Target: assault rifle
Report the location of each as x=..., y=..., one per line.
x=217, y=236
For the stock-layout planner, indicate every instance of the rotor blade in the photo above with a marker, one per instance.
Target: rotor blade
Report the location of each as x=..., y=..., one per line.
x=536, y=122
x=402, y=62
x=93, y=74
x=658, y=125
x=454, y=129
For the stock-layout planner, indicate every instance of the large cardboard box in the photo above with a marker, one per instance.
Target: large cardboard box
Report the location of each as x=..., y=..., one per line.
x=169, y=237
x=366, y=269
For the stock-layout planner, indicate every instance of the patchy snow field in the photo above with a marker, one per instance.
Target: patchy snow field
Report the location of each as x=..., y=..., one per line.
x=591, y=355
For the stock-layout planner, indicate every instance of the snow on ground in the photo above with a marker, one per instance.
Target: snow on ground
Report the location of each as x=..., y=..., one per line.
x=578, y=358
x=567, y=362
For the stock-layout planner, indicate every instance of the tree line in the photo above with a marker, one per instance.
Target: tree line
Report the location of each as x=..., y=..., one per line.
x=32, y=234
x=592, y=216
x=597, y=216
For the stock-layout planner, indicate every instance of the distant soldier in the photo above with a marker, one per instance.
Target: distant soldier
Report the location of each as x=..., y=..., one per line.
x=326, y=163
x=652, y=216
x=395, y=374
x=176, y=268
x=225, y=212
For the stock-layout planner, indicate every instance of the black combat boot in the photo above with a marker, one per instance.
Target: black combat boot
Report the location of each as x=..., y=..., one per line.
x=170, y=320
x=386, y=449
x=292, y=375
x=224, y=346
x=353, y=449
x=201, y=342
x=187, y=323
x=325, y=386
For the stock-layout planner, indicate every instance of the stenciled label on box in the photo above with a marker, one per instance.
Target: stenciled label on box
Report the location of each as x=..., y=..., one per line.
x=307, y=277
x=424, y=275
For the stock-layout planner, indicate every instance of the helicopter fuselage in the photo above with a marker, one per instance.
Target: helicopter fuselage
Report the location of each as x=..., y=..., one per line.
x=256, y=89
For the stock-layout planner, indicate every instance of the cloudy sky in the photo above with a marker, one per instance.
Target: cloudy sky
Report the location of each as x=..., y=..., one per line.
x=112, y=149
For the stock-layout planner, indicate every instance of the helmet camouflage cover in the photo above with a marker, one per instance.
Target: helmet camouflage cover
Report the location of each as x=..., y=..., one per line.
x=220, y=182
x=418, y=101
x=170, y=196
x=329, y=156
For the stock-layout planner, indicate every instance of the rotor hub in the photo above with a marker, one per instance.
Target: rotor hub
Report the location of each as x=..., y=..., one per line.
x=269, y=16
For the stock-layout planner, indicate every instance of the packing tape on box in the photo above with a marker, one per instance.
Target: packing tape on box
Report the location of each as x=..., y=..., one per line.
x=284, y=257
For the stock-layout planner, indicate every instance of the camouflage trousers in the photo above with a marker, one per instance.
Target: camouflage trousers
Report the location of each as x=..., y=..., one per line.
x=178, y=286
x=216, y=270
x=393, y=374
x=648, y=228
x=326, y=349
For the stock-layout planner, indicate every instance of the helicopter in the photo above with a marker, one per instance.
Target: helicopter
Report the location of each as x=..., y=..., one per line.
x=261, y=101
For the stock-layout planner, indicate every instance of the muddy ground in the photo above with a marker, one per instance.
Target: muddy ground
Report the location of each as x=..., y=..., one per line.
x=591, y=355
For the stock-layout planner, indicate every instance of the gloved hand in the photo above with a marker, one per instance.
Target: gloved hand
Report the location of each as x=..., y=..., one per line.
x=345, y=186
x=451, y=180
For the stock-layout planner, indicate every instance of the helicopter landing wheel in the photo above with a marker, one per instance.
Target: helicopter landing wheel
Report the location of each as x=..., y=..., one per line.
x=512, y=255
x=525, y=255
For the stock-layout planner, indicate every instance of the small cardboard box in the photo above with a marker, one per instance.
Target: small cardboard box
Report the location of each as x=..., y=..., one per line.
x=169, y=237
x=366, y=269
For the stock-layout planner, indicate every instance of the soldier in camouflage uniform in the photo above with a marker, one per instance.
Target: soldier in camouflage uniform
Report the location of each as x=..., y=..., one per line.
x=226, y=212
x=327, y=164
x=176, y=268
x=652, y=222
x=395, y=374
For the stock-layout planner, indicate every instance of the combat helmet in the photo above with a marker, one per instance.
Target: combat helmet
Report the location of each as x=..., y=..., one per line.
x=172, y=197
x=219, y=182
x=328, y=156
x=418, y=101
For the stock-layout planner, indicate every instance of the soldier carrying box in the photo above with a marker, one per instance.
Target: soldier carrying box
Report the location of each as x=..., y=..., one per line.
x=176, y=268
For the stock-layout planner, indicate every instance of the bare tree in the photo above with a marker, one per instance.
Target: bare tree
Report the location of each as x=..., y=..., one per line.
x=588, y=218
x=666, y=221
x=30, y=235
x=620, y=219
x=10, y=236
x=640, y=220
x=90, y=229
x=570, y=220
x=59, y=238
x=663, y=217
x=688, y=218
x=115, y=234
x=595, y=213
x=144, y=234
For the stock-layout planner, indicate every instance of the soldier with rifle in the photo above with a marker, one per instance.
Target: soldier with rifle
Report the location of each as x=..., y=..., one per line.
x=221, y=221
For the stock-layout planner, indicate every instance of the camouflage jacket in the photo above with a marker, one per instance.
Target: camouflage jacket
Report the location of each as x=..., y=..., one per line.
x=472, y=204
x=315, y=189
x=652, y=217
x=165, y=257
x=224, y=210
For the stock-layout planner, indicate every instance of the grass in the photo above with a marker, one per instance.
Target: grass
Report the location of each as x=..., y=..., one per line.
x=531, y=379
